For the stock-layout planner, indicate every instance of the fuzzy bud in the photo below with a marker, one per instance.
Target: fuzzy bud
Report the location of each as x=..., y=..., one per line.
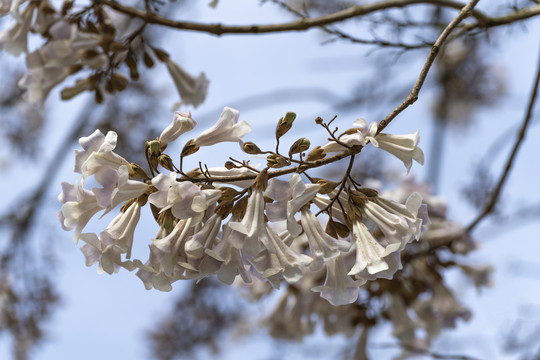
x=299, y=146
x=250, y=148
x=261, y=181
x=166, y=161
x=276, y=161
x=229, y=165
x=137, y=172
x=315, y=154
x=191, y=147
x=326, y=186
x=369, y=192
x=285, y=124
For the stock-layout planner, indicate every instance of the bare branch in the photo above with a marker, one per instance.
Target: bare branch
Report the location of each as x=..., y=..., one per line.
x=299, y=25
x=509, y=162
x=413, y=95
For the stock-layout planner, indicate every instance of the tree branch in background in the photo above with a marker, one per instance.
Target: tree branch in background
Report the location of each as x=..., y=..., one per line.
x=300, y=25
x=509, y=162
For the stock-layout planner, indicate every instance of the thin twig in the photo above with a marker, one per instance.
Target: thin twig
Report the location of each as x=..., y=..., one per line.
x=420, y=350
x=413, y=95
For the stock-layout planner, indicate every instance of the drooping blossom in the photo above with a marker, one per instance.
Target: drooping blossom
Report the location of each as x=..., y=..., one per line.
x=404, y=147
x=182, y=123
x=121, y=230
x=192, y=90
x=79, y=206
x=339, y=288
x=369, y=252
x=301, y=195
x=226, y=129
x=322, y=247
x=252, y=224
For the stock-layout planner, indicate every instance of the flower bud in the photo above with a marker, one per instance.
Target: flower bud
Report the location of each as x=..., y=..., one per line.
x=285, y=124
x=316, y=153
x=166, y=161
x=327, y=186
x=191, y=147
x=153, y=147
x=250, y=148
x=369, y=192
x=137, y=172
x=261, y=181
x=336, y=229
x=318, y=120
x=276, y=161
x=229, y=165
x=166, y=220
x=299, y=146
x=358, y=198
x=228, y=193
x=224, y=208
x=239, y=209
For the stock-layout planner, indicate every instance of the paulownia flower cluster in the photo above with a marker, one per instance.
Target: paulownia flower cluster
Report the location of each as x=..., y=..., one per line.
x=95, y=41
x=274, y=222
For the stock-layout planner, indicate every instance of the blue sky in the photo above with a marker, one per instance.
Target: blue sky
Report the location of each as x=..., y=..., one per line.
x=105, y=316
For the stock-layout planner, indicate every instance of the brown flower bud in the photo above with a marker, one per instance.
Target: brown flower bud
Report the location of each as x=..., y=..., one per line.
x=119, y=82
x=299, y=146
x=250, y=148
x=239, y=209
x=224, y=208
x=336, y=229
x=285, y=124
x=358, y=198
x=228, y=193
x=147, y=59
x=261, y=181
x=166, y=161
x=137, y=172
x=327, y=186
x=160, y=54
x=131, y=63
x=191, y=147
x=276, y=161
x=369, y=192
x=192, y=174
x=318, y=120
x=316, y=153
x=230, y=165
